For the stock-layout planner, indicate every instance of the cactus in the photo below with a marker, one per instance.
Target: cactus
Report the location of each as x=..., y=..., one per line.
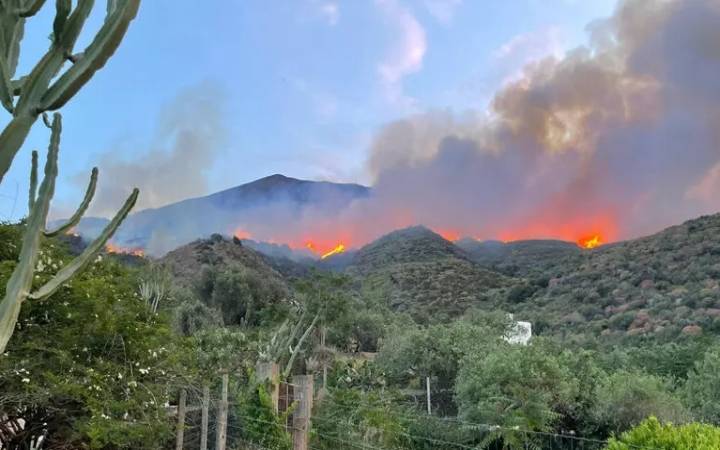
x=20, y=284
x=28, y=97
x=44, y=88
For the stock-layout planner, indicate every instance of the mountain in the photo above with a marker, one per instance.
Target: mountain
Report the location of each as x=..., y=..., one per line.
x=275, y=197
x=417, y=271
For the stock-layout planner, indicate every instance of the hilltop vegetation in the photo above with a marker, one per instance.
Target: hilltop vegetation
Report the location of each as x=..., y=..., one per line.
x=662, y=285
x=417, y=271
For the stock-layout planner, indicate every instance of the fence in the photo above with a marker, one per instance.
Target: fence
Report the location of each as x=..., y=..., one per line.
x=207, y=423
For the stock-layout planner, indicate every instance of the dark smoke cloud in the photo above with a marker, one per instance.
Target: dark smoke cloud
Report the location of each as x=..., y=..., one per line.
x=619, y=137
x=188, y=139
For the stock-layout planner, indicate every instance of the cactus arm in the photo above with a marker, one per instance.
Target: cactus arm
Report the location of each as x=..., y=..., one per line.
x=6, y=91
x=299, y=345
x=33, y=181
x=95, y=55
x=20, y=282
x=31, y=7
x=89, y=193
x=62, y=8
x=11, y=139
x=85, y=258
x=13, y=31
x=36, y=84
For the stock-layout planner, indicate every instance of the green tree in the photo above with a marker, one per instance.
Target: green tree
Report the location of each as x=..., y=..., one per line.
x=514, y=387
x=701, y=392
x=625, y=398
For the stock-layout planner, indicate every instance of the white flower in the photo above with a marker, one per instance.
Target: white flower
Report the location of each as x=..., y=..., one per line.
x=145, y=371
x=119, y=376
x=25, y=380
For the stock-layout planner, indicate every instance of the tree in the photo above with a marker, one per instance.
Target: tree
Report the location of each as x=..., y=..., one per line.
x=702, y=389
x=514, y=388
x=625, y=398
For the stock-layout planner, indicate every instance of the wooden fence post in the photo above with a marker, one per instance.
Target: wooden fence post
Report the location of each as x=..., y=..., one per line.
x=303, y=394
x=221, y=436
x=180, y=428
x=427, y=391
x=205, y=415
x=270, y=371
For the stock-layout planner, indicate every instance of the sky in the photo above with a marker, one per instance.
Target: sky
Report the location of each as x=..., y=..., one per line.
x=298, y=87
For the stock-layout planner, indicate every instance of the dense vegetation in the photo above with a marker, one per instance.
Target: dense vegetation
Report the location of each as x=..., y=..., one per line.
x=97, y=364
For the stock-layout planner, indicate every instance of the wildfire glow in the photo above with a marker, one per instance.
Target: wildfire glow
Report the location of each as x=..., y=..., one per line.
x=340, y=248
x=241, y=234
x=111, y=248
x=590, y=242
x=449, y=234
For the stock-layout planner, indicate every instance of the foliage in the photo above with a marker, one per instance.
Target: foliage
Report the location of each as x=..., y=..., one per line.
x=259, y=422
x=437, y=350
x=92, y=363
x=651, y=433
x=626, y=398
x=366, y=418
x=514, y=386
x=702, y=389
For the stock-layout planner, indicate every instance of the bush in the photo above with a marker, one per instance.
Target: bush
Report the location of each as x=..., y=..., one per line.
x=653, y=434
x=702, y=389
x=626, y=398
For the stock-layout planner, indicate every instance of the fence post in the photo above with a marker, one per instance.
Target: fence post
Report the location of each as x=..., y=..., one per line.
x=205, y=415
x=180, y=428
x=221, y=436
x=427, y=391
x=270, y=371
x=303, y=393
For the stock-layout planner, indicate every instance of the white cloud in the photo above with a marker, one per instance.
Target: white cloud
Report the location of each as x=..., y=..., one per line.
x=407, y=54
x=442, y=10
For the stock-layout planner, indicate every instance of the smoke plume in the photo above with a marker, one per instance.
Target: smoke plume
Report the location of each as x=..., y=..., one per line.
x=618, y=138
x=188, y=138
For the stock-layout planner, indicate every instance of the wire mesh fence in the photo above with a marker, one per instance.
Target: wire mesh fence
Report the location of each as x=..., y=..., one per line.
x=274, y=425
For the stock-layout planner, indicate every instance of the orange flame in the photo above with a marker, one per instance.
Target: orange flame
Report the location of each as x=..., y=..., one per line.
x=590, y=242
x=111, y=248
x=241, y=234
x=340, y=248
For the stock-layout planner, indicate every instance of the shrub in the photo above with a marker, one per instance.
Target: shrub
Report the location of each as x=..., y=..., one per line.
x=653, y=434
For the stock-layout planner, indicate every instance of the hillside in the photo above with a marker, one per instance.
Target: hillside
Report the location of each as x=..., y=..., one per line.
x=521, y=258
x=417, y=271
x=162, y=229
x=187, y=262
x=664, y=285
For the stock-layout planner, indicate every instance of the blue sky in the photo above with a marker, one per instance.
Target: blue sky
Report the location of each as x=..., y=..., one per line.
x=303, y=84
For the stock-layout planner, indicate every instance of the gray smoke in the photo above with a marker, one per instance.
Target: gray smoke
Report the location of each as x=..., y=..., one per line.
x=188, y=139
x=619, y=137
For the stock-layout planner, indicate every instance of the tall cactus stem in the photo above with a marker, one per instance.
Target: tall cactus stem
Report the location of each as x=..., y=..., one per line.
x=86, y=257
x=89, y=193
x=18, y=287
